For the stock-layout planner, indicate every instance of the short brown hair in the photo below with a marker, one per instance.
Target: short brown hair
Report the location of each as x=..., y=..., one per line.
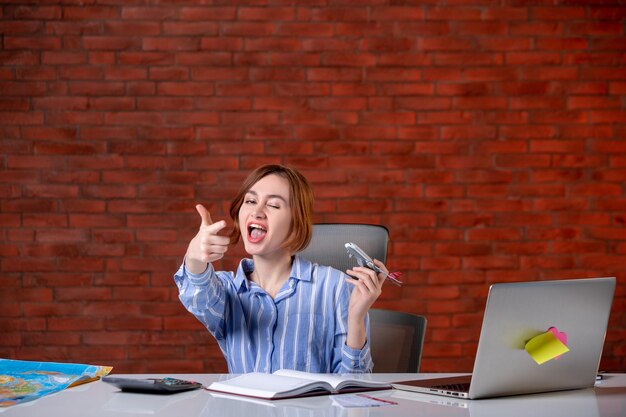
x=300, y=200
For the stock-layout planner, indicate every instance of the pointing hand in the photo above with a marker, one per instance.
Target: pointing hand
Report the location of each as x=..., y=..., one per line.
x=207, y=246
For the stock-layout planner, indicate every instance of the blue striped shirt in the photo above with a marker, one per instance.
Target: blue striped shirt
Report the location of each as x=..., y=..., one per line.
x=304, y=327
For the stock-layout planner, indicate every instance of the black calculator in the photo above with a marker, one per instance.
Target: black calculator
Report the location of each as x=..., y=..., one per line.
x=151, y=385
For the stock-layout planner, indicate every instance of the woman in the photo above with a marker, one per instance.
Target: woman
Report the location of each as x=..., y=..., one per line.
x=277, y=310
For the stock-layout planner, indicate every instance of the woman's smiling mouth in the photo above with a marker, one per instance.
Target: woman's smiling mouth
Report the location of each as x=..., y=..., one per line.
x=256, y=232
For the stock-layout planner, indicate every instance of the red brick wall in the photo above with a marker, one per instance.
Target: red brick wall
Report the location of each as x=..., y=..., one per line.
x=487, y=136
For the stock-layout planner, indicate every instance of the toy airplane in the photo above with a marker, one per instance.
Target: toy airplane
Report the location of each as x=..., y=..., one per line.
x=364, y=260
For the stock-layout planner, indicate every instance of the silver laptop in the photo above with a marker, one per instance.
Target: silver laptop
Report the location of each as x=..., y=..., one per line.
x=517, y=312
x=571, y=403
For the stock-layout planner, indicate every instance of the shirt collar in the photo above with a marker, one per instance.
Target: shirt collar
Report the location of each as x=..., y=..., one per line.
x=301, y=270
x=241, y=281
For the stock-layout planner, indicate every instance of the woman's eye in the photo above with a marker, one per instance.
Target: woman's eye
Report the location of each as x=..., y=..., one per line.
x=249, y=201
x=274, y=206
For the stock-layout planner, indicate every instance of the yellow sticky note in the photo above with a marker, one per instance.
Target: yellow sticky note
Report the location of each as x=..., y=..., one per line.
x=544, y=347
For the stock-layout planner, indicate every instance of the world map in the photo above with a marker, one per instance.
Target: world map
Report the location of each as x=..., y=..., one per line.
x=22, y=381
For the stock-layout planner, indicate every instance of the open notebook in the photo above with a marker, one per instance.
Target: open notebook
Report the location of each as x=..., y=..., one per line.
x=517, y=317
x=287, y=383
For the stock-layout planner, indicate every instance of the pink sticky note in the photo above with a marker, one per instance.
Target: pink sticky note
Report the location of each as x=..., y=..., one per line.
x=562, y=336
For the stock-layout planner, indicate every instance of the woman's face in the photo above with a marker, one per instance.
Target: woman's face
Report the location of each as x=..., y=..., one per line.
x=265, y=216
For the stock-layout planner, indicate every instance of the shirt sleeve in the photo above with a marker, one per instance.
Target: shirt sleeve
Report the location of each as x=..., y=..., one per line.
x=350, y=360
x=204, y=296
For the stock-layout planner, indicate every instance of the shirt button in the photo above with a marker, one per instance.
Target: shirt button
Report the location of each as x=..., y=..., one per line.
x=353, y=363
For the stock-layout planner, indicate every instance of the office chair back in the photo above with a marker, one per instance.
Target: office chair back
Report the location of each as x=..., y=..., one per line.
x=396, y=341
x=396, y=338
x=327, y=244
